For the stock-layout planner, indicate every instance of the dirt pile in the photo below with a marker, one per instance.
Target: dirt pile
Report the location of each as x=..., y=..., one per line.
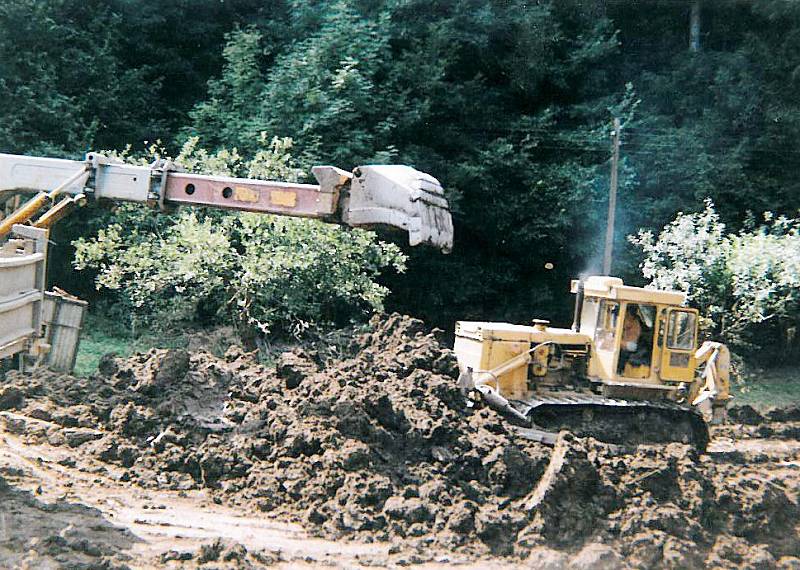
x=674, y=508
x=35, y=534
x=747, y=422
x=381, y=445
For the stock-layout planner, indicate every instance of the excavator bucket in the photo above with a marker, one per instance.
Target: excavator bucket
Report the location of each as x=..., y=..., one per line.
x=397, y=197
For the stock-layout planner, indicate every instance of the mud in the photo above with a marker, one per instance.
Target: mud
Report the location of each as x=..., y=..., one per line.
x=379, y=446
x=37, y=534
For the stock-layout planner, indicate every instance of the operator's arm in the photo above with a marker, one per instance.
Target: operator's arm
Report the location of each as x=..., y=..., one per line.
x=394, y=196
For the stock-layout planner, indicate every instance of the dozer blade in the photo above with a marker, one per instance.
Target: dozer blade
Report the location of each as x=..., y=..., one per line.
x=620, y=422
x=399, y=197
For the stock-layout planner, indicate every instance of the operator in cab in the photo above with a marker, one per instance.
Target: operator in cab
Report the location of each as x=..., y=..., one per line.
x=634, y=356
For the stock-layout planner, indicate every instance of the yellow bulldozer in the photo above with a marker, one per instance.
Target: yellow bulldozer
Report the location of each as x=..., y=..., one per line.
x=626, y=372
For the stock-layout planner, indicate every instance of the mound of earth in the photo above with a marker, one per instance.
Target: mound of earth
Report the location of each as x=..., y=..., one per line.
x=381, y=445
x=776, y=423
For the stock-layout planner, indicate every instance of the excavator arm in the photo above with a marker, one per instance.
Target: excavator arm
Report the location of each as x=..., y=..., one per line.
x=377, y=196
x=46, y=326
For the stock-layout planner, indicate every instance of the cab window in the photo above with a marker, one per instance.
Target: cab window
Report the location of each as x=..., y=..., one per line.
x=606, y=330
x=681, y=330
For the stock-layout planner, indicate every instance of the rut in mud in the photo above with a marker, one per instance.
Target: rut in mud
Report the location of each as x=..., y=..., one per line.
x=381, y=445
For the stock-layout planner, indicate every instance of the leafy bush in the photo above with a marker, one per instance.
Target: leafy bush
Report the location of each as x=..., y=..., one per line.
x=265, y=274
x=746, y=284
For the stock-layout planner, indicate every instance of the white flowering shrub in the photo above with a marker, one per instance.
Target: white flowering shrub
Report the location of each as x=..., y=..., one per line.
x=746, y=284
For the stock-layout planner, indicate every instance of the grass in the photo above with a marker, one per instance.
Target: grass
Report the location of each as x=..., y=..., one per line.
x=102, y=335
x=768, y=388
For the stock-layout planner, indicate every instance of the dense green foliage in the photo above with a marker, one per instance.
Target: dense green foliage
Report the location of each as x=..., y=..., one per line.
x=508, y=103
x=263, y=273
x=746, y=284
x=487, y=96
x=62, y=80
x=77, y=75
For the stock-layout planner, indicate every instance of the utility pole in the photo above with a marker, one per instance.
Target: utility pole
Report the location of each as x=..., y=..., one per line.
x=694, y=26
x=612, y=199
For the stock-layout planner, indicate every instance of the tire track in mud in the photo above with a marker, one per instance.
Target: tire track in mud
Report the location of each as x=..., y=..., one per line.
x=148, y=523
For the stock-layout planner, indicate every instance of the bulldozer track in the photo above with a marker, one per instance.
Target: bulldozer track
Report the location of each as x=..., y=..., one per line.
x=621, y=422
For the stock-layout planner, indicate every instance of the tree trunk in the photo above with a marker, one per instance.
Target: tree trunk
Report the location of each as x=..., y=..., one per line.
x=694, y=26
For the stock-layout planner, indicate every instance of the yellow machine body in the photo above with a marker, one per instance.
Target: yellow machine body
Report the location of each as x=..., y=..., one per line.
x=626, y=342
x=483, y=346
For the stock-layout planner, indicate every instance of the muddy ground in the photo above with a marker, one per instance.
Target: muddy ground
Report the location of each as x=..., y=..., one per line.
x=182, y=459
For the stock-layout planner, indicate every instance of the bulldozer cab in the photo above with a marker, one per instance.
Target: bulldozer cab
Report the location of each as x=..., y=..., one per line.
x=641, y=336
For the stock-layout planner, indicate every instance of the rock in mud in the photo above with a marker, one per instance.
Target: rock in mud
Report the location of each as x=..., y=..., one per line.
x=294, y=367
x=173, y=367
x=10, y=397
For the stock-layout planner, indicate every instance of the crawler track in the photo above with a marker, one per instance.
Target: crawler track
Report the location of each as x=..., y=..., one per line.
x=622, y=422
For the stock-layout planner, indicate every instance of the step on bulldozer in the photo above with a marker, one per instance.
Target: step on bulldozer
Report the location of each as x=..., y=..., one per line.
x=626, y=372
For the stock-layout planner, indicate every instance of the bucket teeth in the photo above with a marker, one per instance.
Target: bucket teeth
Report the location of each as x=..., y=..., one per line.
x=400, y=197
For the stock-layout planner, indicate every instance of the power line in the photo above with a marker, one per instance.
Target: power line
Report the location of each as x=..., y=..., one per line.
x=641, y=143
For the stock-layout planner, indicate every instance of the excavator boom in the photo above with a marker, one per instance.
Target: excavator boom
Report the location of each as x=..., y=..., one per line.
x=387, y=196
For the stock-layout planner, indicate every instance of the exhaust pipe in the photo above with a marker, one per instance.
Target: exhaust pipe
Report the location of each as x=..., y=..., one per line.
x=576, y=319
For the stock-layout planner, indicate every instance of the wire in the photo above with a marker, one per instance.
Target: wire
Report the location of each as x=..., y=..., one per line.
x=643, y=142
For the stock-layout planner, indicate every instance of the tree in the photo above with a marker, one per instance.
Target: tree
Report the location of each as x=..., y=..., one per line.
x=507, y=103
x=720, y=122
x=268, y=275
x=488, y=96
x=322, y=91
x=62, y=82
